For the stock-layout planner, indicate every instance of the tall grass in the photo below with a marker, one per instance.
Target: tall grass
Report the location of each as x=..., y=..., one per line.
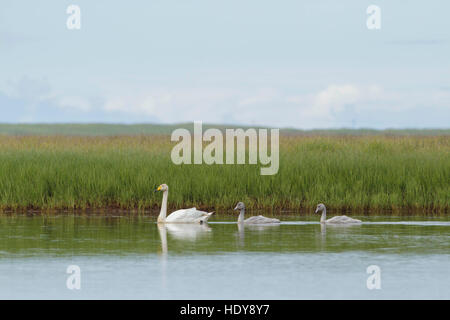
x=371, y=172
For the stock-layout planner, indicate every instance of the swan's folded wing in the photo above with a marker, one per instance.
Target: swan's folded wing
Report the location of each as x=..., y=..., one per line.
x=260, y=220
x=343, y=219
x=186, y=215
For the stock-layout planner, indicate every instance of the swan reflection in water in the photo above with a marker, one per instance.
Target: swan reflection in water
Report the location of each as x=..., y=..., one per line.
x=181, y=231
x=342, y=228
x=334, y=229
x=184, y=232
x=254, y=227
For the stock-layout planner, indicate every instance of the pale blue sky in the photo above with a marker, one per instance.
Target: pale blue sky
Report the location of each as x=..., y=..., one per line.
x=304, y=64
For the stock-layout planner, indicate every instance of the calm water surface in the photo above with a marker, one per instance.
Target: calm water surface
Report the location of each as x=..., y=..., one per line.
x=132, y=257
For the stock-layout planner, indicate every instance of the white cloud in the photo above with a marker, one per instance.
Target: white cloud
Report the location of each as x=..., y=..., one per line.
x=34, y=91
x=327, y=107
x=28, y=88
x=335, y=105
x=73, y=102
x=176, y=105
x=337, y=95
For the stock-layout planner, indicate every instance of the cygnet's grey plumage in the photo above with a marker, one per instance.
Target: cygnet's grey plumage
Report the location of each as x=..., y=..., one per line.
x=335, y=220
x=252, y=220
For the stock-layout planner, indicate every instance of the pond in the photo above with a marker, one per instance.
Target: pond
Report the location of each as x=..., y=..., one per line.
x=131, y=257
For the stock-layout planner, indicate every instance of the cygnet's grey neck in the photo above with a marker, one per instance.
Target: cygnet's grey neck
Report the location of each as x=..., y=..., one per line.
x=323, y=218
x=241, y=216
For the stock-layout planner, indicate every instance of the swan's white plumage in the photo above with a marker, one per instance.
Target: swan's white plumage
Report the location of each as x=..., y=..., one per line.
x=191, y=215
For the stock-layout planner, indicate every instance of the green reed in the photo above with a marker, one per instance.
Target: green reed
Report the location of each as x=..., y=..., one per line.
x=346, y=172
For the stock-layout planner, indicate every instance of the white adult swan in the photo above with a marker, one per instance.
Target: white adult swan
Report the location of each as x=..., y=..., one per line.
x=252, y=220
x=191, y=215
x=337, y=219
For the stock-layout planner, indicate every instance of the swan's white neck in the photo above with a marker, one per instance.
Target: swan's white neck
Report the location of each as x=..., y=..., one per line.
x=163, y=234
x=163, y=212
x=241, y=216
x=323, y=218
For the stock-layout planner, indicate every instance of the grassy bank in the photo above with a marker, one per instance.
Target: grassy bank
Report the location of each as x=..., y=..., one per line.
x=345, y=172
x=99, y=129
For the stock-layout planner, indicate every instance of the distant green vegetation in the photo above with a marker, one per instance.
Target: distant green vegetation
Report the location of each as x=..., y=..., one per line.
x=345, y=172
x=151, y=129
